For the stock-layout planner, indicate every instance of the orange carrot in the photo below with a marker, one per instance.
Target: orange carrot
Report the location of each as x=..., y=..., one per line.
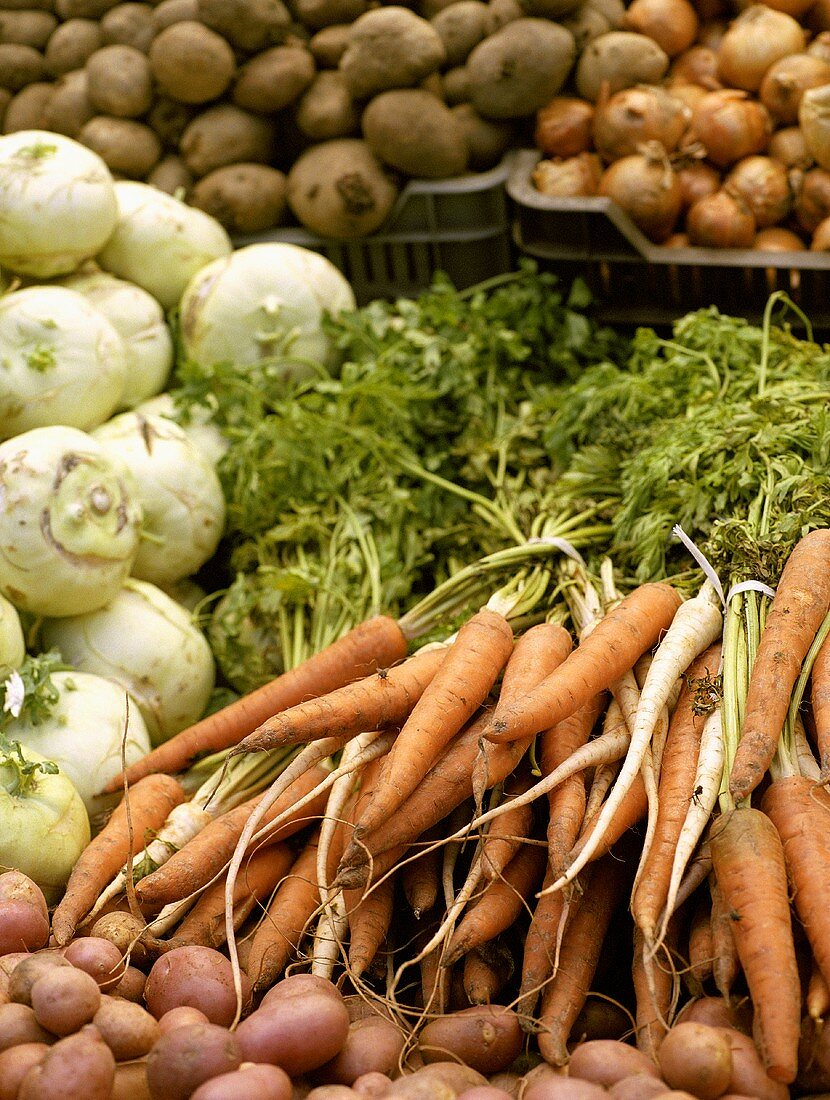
x=370, y=915
x=500, y=903
x=632, y=809
x=261, y=872
x=487, y=970
x=434, y=979
x=748, y=861
x=700, y=940
x=150, y=801
x=279, y=933
x=675, y=791
x=654, y=981
x=194, y=865
x=462, y=683
x=610, y=650
x=725, y=964
x=539, y=955
x=802, y=601
x=420, y=879
x=818, y=994
x=375, y=644
x=564, y=997
x=820, y=698
x=506, y=834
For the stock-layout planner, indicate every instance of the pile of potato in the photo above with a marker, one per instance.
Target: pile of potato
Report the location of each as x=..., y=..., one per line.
x=321, y=106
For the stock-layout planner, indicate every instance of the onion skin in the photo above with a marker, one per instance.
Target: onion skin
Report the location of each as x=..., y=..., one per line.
x=777, y=239
x=563, y=127
x=786, y=82
x=814, y=120
x=636, y=115
x=821, y=237
x=812, y=204
x=754, y=42
x=721, y=221
x=820, y=46
x=765, y=188
x=731, y=126
x=697, y=65
x=646, y=188
x=697, y=181
x=788, y=146
x=689, y=94
x=673, y=24
x=576, y=176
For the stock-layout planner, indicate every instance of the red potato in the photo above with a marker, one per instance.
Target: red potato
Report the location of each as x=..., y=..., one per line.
x=65, y=999
x=299, y=1033
x=185, y=1058
x=15, y=1063
x=131, y=986
x=696, y=1056
x=250, y=1082
x=80, y=1067
x=30, y=970
x=131, y=1082
x=330, y=1092
x=128, y=1029
x=372, y=1084
x=299, y=984
x=716, y=1012
x=99, y=958
x=18, y=1025
x=484, y=1092
x=510, y=1082
x=24, y=917
x=486, y=1037
x=565, y=1088
x=373, y=1045
x=638, y=1087
x=195, y=976
x=748, y=1076
x=606, y=1061
x=181, y=1017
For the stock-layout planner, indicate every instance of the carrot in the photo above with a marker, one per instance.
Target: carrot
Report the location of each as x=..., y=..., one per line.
x=459, y=687
x=150, y=801
x=725, y=965
x=500, y=903
x=610, y=650
x=434, y=980
x=631, y=810
x=419, y=879
x=748, y=860
x=818, y=994
x=540, y=949
x=375, y=644
x=506, y=834
x=655, y=989
x=675, y=792
x=700, y=940
x=820, y=699
x=194, y=865
x=279, y=933
x=800, y=811
x=602, y=888
x=486, y=972
x=801, y=602
x=205, y=923
x=370, y=915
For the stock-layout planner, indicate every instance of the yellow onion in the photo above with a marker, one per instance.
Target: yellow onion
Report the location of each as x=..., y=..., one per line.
x=672, y=24
x=563, y=127
x=711, y=33
x=579, y=175
x=818, y=18
x=690, y=94
x=645, y=186
x=698, y=65
x=788, y=79
x=814, y=120
x=788, y=146
x=821, y=237
x=776, y=239
x=764, y=186
x=820, y=46
x=795, y=8
x=697, y=180
x=721, y=221
x=730, y=126
x=637, y=115
x=677, y=240
x=812, y=203
x=756, y=40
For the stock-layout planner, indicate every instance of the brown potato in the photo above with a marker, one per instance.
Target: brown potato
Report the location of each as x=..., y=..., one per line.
x=127, y=147
x=456, y=85
x=273, y=79
x=80, y=1067
x=299, y=1033
x=390, y=47
x=245, y=198
x=486, y=1037
x=5, y=99
x=169, y=12
x=317, y=14
x=606, y=1061
x=247, y=24
x=195, y=976
x=15, y=1063
x=18, y=1025
x=70, y=46
x=169, y=119
x=520, y=68
x=128, y=1029
x=27, y=28
x=328, y=45
x=416, y=133
x=26, y=112
x=119, y=81
x=225, y=135
x=172, y=175
x=65, y=999
x=373, y=1045
x=461, y=26
x=124, y=930
x=85, y=9
x=623, y=59
x=67, y=110
x=129, y=24
x=30, y=970
x=191, y=63
x=694, y=1055
x=487, y=140
x=19, y=66
x=327, y=109
x=182, y=1059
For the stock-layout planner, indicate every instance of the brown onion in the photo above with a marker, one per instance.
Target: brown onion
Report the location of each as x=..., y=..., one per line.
x=777, y=239
x=812, y=203
x=563, y=127
x=788, y=79
x=697, y=180
x=795, y=8
x=821, y=237
x=818, y=17
x=814, y=120
x=820, y=46
x=764, y=186
x=579, y=175
x=731, y=126
x=788, y=146
x=637, y=115
x=677, y=240
x=721, y=221
x=756, y=40
x=698, y=65
x=711, y=33
x=645, y=187
x=672, y=24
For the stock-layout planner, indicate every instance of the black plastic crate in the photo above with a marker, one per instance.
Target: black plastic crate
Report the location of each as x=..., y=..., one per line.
x=638, y=282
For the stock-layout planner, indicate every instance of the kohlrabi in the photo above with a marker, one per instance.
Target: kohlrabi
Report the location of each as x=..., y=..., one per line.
x=198, y=427
x=70, y=518
x=12, y=642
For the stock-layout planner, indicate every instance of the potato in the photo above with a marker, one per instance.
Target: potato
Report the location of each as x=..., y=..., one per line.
x=623, y=59
x=439, y=1081
x=245, y=198
x=129, y=24
x=67, y=110
x=169, y=119
x=461, y=26
x=330, y=1092
x=372, y=1084
x=373, y=1045
x=549, y=9
x=71, y=45
x=18, y=1025
x=640, y=1086
x=598, y=1018
x=119, y=81
x=409, y=129
x=30, y=970
x=298, y=985
x=564, y=1088
x=390, y=48
x=169, y=12
x=748, y=1076
x=486, y=1092
x=128, y=148
x=456, y=83
x=98, y=958
x=131, y=986
x=27, y=28
x=273, y=79
x=124, y=930
x=502, y=12
x=486, y=1037
x=327, y=109
x=79, y=1067
x=519, y=68
x=605, y=1061
x=248, y=24
x=716, y=1012
x=128, y=1029
x=317, y=14
x=25, y=111
x=298, y=1033
x=19, y=66
x=84, y=9
x=191, y=63
x=181, y=1017
x=251, y=1082
x=195, y=976
x=15, y=1063
x=65, y=999
x=328, y=45
x=693, y=1055
x=183, y=1059
x=5, y=99
x=24, y=918
x=131, y=1082
x=172, y=175
x=225, y=135
x=487, y=140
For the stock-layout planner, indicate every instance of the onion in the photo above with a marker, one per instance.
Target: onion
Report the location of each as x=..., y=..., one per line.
x=764, y=186
x=812, y=204
x=690, y=94
x=731, y=126
x=711, y=33
x=579, y=175
x=795, y=8
x=788, y=79
x=708, y=10
x=697, y=180
x=788, y=146
x=821, y=237
x=645, y=186
x=698, y=65
x=637, y=115
x=756, y=40
x=814, y=120
x=721, y=221
x=677, y=240
x=818, y=19
x=777, y=239
x=673, y=24
x=563, y=127
x=820, y=46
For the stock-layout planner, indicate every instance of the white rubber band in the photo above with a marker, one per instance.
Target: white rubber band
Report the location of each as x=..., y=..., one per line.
x=750, y=586
x=561, y=544
x=701, y=560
